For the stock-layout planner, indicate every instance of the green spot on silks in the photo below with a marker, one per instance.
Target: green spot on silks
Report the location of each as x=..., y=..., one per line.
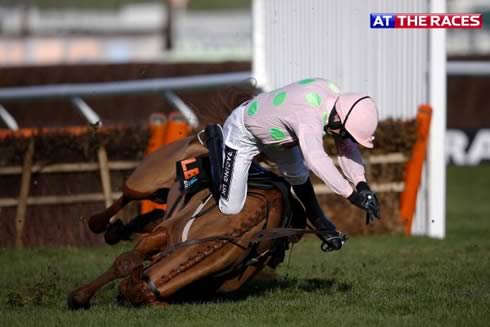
x=333, y=87
x=277, y=134
x=279, y=98
x=313, y=99
x=253, y=108
x=306, y=81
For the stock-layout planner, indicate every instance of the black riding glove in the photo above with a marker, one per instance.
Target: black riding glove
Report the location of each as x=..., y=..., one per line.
x=366, y=199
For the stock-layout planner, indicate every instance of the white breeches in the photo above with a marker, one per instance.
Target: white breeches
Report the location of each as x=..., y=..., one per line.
x=240, y=147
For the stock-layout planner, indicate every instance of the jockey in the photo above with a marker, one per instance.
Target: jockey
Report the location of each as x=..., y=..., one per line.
x=287, y=125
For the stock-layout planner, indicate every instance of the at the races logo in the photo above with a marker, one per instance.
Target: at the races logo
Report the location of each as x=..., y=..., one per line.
x=468, y=147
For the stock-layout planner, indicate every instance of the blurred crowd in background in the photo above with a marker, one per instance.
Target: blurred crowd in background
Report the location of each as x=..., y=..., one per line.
x=117, y=31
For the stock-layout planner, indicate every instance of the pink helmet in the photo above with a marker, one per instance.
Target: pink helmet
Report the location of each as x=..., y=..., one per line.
x=359, y=117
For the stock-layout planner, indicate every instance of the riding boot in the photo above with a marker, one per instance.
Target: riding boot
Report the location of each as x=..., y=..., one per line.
x=316, y=216
x=214, y=143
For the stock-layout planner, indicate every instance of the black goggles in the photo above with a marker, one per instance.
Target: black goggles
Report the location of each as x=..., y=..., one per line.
x=332, y=124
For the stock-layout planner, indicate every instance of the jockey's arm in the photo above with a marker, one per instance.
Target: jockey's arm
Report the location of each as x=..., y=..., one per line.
x=350, y=160
x=311, y=144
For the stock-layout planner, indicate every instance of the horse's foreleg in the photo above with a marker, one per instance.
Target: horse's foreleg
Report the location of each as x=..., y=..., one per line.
x=122, y=267
x=134, y=290
x=80, y=298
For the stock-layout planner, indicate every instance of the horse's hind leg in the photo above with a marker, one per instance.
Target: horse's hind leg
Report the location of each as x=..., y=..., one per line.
x=143, y=223
x=98, y=222
x=122, y=267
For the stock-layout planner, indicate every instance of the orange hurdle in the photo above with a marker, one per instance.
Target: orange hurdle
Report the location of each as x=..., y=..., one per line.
x=158, y=131
x=30, y=132
x=164, y=131
x=413, y=169
x=177, y=128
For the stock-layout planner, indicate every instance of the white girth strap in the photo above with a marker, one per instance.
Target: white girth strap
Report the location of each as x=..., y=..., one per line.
x=187, y=227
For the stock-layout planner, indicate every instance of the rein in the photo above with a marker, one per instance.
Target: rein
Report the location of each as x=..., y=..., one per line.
x=265, y=234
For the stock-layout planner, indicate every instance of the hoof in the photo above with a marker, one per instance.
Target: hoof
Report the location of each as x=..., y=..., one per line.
x=76, y=301
x=97, y=225
x=116, y=232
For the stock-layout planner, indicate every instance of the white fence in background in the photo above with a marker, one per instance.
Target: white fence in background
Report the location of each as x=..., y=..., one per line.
x=295, y=39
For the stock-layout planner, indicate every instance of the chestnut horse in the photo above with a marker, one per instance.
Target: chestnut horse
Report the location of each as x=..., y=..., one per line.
x=194, y=249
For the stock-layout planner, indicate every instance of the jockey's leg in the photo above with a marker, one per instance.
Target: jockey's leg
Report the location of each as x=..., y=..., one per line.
x=317, y=217
x=239, y=150
x=291, y=165
x=234, y=181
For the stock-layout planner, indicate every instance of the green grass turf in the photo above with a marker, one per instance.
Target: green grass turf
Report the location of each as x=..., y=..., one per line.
x=373, y=281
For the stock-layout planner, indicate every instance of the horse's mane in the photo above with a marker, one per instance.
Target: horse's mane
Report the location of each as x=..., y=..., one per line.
x=226, y=100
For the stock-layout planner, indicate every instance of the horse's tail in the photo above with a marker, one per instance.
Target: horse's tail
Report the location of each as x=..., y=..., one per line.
x=98, y=222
